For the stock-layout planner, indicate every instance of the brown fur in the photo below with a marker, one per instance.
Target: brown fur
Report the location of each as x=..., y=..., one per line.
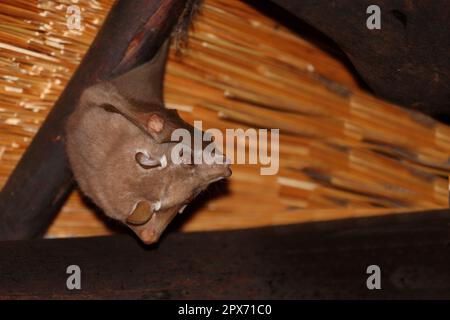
x=112, y=123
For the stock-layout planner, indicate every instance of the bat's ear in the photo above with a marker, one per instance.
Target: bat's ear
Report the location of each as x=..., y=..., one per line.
x=144, y=84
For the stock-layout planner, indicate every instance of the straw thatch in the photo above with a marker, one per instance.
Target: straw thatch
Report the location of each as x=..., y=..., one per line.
x=343, y=153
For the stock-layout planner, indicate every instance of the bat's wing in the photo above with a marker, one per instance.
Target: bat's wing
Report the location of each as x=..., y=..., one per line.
x=144, y=84
x=143, y=88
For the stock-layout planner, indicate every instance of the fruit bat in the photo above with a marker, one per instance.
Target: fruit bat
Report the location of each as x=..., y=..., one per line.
x=118, y=142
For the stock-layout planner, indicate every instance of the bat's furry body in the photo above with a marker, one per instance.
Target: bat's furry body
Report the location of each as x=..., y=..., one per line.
x=118, y=143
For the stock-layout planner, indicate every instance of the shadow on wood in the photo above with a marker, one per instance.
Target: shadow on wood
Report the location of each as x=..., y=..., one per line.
x=314, y=260
x=405, y=61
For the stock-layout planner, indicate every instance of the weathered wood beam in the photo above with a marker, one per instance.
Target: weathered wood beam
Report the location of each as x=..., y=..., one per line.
x=314, y=260
x=405, y=61
x=34, y=192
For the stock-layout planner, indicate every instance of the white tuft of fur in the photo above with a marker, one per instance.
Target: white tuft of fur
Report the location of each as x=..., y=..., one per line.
x=157, y=205
x=163, y=161
x=182, y=209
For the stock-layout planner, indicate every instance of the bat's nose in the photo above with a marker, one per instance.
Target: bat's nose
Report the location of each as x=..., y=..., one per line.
x=151, y=231
x=147, y=232
x=149, y=236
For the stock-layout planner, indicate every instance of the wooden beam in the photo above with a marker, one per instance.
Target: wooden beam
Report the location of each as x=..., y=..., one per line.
x=405, y=61
x=314, y=260
x=34, y=192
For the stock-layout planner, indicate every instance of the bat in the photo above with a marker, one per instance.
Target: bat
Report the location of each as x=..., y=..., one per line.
x=118, y=142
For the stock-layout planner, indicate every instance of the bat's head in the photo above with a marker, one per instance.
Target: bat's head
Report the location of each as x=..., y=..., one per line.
x=122, y=155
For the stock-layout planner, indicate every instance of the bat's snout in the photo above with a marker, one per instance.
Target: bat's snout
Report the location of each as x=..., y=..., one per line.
x=150, y=231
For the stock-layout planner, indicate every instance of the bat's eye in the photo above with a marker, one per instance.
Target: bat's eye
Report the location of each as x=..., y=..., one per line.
x=146, y=162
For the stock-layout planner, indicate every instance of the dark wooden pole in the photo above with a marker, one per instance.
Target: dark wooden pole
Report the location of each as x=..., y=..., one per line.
x=315, y=260
x=405, y=61
x=34, y=192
